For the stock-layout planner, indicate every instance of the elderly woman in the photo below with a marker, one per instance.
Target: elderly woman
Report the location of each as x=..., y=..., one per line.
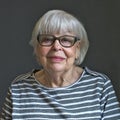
x=61, y=89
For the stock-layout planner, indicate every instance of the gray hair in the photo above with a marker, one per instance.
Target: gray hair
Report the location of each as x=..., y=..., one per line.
x=58, y=21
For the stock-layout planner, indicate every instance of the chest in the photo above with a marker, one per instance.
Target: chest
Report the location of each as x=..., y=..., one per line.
x=60, y=104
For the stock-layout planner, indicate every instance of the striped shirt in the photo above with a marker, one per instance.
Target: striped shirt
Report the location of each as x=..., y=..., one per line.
x=91, y=97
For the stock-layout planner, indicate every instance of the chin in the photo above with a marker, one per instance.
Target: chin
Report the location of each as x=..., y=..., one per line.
x=57, y=68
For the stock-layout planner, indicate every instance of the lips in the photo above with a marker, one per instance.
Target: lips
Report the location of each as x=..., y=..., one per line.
x=56, y=58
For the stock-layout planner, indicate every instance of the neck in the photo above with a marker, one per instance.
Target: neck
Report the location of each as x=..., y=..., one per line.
x=59, y=79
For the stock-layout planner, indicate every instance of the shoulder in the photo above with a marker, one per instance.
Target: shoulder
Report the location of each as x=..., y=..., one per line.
x=100, y=80
x=23, y=77
x=97, y=75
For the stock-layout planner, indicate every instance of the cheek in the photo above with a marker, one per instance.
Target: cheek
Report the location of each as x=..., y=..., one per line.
x=71, y=53
x=41, y=54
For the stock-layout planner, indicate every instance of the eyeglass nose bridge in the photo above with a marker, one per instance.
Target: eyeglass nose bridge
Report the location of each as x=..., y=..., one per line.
x=57, y=38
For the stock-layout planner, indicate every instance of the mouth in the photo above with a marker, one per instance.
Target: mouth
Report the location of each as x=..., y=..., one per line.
x=56, y=58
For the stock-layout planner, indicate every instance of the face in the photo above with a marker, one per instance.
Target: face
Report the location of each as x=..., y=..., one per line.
x=56, y=57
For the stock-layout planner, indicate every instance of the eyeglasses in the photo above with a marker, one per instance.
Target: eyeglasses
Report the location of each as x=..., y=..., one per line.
x=48, y=40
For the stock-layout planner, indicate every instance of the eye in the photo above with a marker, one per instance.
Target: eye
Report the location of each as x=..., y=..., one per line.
x=67, y=40
x=46, y=39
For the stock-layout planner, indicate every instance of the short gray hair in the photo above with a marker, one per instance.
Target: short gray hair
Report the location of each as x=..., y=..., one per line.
x=59, y=21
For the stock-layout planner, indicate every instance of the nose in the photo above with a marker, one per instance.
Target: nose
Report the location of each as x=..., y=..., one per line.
x=56, y=45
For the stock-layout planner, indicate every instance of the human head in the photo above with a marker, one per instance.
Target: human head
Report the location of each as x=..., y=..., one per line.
x=59, y=21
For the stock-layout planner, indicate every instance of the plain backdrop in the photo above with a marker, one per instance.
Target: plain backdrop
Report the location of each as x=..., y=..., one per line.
x=101, y=18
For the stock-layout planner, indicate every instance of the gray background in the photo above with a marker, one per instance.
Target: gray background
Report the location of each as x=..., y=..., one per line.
x=101, y=19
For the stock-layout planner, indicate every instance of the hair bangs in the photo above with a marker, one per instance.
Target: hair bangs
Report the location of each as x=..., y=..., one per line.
x=57, y=25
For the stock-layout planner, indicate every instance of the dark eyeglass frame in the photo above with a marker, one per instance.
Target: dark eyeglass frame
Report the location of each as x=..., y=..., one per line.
x=57, y=38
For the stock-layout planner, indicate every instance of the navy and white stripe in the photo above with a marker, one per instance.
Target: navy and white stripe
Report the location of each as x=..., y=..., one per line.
x=90, y=98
